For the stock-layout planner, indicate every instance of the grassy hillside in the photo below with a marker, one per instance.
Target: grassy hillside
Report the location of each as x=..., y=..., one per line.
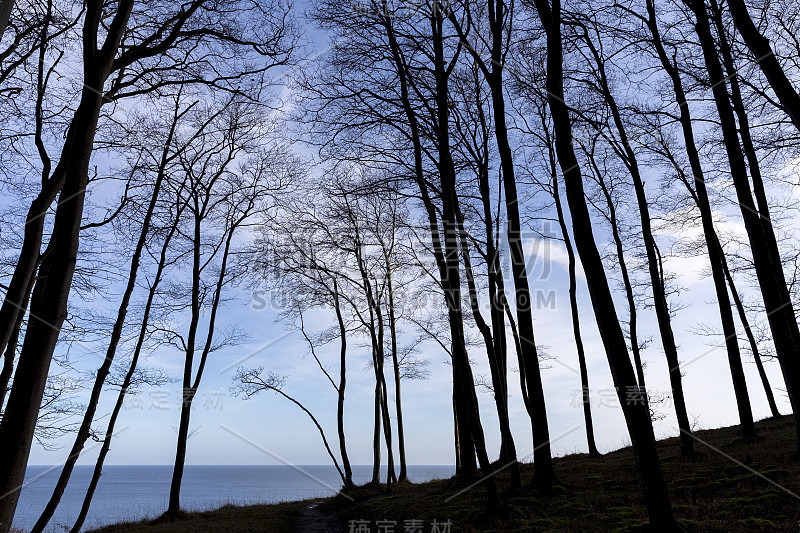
x=709, y=493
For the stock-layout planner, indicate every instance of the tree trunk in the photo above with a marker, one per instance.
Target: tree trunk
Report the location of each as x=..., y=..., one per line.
x=508, y=453
x=762, y=239
x=116, y=334
x=190, y=387
x=173, y=510
x=187, y=394
x=47, y=313
x=29, y=255
x=391, y=475
x=13, y=342
x=128, y=380
x=376, y=437
x=6, y=6
x=50, y=294
x=637, y=417
x=759, y=46
x=653, y=263
x=633, y=314
x=464, y=449
x=576, y=323
x=544, y=475
x=773, y=407
x=761, y=200
x=700, y=195
x=401, y=443
x=348, y=470
x=452, y=279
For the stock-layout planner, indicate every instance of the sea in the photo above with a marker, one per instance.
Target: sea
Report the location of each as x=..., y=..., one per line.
x=130, y=493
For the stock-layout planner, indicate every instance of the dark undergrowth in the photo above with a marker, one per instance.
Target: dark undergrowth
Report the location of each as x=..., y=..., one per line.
x=729, y=486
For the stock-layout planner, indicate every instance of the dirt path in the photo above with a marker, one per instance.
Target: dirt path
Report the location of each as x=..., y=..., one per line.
x=313, y=520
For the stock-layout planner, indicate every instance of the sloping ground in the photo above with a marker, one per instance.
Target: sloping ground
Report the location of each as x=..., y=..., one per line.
x=729, y=486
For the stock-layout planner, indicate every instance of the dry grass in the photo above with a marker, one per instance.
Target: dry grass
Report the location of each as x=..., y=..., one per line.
x=709, y=493
x=280, y=517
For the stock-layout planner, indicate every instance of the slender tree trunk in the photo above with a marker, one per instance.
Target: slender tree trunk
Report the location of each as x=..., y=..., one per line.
x=465, y=461
x=495, y=336
x=508, y=454
x=762, y=239
x=28, y=260
x=173, y=509
x=116, y=334
x=633, y=314
x=128, y=380
x=348, y=470
x=760, y=194
x=189, y=389
x=376, y=333
x=576, y=323
x=13, y=342
x=773, y=407
x=376, y=436
x=187, y=395
x=452, y=280
x=654, y=265
x=391, y=476
x=700, y=195
x=544, y=475
x=637, y=416
x=401, y=442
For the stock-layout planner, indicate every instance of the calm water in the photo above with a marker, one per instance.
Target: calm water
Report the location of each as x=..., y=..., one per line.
x=136, y=492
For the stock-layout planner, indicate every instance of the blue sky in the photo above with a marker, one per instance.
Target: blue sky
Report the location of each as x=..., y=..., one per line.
x=147, y=424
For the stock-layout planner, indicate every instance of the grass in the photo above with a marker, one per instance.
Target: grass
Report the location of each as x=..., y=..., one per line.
x=279, y=517
x=709, y=493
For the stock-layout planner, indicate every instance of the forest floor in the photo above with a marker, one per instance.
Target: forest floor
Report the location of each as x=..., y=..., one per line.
x=729, y=486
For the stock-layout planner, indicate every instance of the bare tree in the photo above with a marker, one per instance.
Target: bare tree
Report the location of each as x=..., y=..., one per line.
x=134, y=60
x=229, y=180
x=766, y=256
x=500, y=22
x=765, y=57
x=637, y=416
x=162, y=164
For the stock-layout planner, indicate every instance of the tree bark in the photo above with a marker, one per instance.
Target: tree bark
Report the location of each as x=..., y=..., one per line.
x=653, y=263
x=13, y=342
x=50, y=294
x=128, y=380
x=759, y=230
x=452, y=280
x=508, y=453
x=6, y=6
x=761, y=199
x=773, y=407
x=189, y=389
x=637, y=417
x=401, y=441
x=759, y=46
x=348, y=470
x=464, y=446
x=633, y=313
x=700, y=196
x=48, y=312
